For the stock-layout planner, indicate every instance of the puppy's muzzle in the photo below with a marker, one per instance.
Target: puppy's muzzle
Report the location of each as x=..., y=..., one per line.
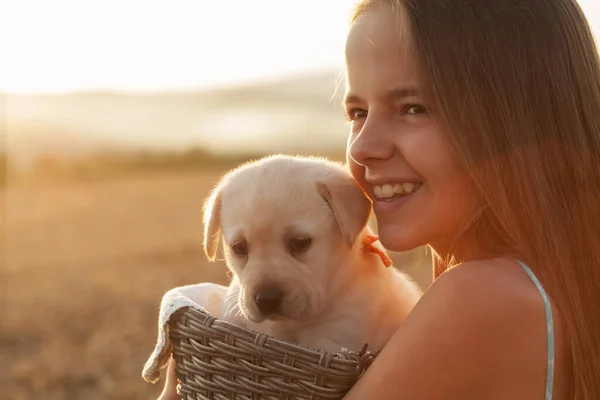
x=268, y=300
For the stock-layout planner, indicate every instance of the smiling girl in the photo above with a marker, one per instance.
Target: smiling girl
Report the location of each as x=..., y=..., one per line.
x=488, y=112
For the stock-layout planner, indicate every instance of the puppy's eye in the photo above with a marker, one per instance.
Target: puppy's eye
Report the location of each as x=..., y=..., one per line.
x=300, y=244
x=240, y=248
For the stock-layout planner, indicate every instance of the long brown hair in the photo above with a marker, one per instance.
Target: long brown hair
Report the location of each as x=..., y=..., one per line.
x=516, y=84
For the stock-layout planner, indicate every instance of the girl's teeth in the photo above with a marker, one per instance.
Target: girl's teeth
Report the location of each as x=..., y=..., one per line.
x=377, y=190
x=388, y=191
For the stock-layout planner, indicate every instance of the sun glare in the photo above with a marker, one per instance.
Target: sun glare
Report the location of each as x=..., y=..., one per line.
x=68, y=45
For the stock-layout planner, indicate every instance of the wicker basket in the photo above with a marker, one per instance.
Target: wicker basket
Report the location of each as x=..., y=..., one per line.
x=218, y=360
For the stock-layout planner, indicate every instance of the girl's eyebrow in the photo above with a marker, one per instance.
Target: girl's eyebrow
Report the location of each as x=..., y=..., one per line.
x=351, y=99
x=402, y=92
x=390, y=95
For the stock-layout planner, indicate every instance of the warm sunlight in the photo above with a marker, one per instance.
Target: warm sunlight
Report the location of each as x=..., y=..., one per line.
x=119, y=120
x=68, y=45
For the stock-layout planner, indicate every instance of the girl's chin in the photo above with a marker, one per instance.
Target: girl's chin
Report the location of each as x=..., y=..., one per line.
x=393, y=241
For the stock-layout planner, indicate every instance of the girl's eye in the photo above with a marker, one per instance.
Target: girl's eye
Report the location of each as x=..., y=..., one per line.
x=413, y=109
x=354, y=114
x=240, y=249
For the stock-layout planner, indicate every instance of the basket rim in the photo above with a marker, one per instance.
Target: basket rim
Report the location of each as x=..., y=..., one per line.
x=219, y=359
x=366, y=354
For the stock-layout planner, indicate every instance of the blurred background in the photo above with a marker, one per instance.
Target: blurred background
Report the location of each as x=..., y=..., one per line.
x=117, y=118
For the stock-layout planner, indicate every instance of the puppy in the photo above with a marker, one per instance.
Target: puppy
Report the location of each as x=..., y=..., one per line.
x=295, y=236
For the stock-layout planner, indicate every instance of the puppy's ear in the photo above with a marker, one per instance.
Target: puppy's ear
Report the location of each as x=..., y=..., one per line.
x=212, y=221
x=351, y=207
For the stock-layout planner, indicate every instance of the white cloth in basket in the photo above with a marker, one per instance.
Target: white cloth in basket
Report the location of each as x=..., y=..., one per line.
x=207, y=296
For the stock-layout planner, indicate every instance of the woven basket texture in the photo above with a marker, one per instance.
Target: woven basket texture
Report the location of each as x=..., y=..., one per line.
x=221, y=361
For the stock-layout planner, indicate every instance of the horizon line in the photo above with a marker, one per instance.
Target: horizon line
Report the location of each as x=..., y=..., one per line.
x=336, y=72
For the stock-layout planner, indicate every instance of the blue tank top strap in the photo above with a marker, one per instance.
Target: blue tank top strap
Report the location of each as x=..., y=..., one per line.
x=549, y=331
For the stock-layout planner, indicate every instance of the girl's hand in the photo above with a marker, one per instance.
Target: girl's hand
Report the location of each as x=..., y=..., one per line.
x=170, y=390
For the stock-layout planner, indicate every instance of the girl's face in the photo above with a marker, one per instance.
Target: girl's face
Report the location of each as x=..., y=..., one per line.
x=396, y=151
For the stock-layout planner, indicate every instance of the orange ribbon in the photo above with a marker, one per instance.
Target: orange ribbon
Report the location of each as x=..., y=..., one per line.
x=368, y=247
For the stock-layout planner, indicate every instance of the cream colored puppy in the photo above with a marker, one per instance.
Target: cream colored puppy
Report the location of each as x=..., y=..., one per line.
x=295, y=236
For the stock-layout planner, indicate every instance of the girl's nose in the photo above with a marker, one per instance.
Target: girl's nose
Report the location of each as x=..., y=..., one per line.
x=373, y=142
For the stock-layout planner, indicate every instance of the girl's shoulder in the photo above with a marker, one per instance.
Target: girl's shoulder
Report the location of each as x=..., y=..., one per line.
x=519, y=329
x=499, y=292
x=500, y=287
x=494, y=317
x=504, y=280
x=478, y=329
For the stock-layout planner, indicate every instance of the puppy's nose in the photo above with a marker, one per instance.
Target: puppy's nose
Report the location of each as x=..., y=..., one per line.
x=268, y=300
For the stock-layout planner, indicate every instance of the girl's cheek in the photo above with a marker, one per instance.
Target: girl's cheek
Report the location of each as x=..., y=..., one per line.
x=357, y=172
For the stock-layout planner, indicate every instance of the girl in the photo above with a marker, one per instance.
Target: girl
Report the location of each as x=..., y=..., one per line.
x=488, y=113
x=491, y=109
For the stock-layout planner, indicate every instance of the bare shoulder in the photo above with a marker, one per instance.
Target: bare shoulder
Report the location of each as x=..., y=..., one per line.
x=495, y=283
x=477, y=332
x=492, y=305
x=486, y=293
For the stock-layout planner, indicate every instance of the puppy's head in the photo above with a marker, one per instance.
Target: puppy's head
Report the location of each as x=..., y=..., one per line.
x=286, y=224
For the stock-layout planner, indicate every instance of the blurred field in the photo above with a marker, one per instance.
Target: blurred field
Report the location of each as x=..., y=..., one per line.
x=87, y=263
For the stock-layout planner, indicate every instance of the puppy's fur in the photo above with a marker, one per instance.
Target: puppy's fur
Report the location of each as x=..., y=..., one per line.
x=295, y=225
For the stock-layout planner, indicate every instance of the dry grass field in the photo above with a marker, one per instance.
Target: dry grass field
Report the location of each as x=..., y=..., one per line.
x=86, y=266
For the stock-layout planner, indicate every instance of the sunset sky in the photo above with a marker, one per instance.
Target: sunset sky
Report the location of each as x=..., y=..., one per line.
x=63, y=45
x=66, y=45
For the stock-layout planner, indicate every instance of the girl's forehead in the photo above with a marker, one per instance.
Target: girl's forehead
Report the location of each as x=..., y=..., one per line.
x=378, y=56
x=378, y=30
